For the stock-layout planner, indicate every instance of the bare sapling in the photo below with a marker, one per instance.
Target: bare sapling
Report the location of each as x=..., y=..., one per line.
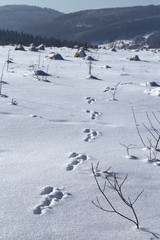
x=9, y=60
x=137, y=128
x=1, y=79
x=90, y=68
x=156, y=117
x=115, y=91
x=150, y=151
x=47, y=73
x=117, y=187
x=155, y=133
x=152, y=154
x=157, y=139
x=39, y=60
x=14, y=102
x=128, y=147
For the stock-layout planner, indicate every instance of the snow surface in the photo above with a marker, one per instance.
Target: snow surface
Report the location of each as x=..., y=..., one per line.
x=62, y=124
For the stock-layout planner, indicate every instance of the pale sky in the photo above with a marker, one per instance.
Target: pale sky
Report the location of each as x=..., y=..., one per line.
x=67, y=6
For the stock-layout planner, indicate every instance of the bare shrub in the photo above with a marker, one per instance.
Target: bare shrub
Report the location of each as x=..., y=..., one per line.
x=117, y=187
x=153, y=131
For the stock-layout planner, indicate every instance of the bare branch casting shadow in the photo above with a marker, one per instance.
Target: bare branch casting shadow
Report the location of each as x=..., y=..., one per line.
x=154, y=235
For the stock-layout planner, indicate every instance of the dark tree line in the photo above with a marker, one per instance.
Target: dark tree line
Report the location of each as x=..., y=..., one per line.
x=11, y=37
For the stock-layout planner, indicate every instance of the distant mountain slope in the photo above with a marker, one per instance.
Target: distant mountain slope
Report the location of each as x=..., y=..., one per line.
x=25, y=18
x=103, y=24
x=84, y=26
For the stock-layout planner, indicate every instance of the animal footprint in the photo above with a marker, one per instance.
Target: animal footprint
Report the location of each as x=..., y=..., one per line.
x=94, y=114
x=46, y=190
x=91, y=134
x=90, y=100
x=106, y=89
x=52, y=196
x=77, y=158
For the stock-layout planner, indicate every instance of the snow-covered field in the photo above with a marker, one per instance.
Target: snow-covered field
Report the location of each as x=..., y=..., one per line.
x=59, y=127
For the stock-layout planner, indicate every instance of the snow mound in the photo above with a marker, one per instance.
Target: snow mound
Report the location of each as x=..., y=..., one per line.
x=153, y=92
x=90, y=58
x=113, y=50
x=151, y=84
x=41, y=47
x=32, y=48
x=55, y=56
x=41, y=73
x=106, y=66
x=135, y=58
x=80, y=53
x=19, y=47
